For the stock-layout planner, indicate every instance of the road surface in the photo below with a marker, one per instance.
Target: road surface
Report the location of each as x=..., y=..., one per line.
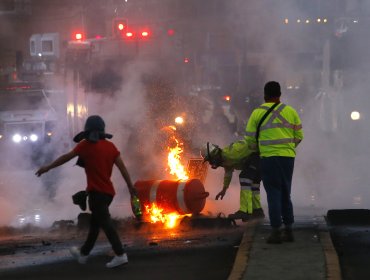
x=154, y=253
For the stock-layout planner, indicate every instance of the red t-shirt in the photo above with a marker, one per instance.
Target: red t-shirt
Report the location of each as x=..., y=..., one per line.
x=99, y=159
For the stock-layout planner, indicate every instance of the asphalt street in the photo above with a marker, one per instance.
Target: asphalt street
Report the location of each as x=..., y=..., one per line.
x=331, y=246
x=205, y=263
x=350, y=233
x=186, y=253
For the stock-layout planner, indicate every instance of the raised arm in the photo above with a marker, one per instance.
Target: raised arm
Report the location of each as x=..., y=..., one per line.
x=59, y=161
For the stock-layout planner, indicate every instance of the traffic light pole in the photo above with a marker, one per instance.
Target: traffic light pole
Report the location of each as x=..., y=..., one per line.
x=75, y=102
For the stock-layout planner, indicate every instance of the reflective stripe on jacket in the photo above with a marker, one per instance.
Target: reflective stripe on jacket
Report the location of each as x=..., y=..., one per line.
x=279, y=134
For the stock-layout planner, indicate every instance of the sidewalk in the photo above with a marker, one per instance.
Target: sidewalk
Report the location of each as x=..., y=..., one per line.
x=311, y=256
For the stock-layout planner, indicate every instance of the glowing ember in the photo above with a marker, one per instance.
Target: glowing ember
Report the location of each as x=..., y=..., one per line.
x=155, y=214
x=174, y=161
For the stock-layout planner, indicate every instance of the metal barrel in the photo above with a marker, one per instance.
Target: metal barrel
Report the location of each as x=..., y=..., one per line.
x=184, y=197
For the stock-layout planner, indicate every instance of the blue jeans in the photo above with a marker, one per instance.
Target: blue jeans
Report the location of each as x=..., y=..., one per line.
x=277, y=173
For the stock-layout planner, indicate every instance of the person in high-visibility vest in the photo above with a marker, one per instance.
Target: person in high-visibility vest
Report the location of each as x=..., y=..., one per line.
x=238, y=156
x=279, y=135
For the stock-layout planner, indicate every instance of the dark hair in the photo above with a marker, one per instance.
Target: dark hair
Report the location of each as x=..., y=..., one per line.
x=272, y=89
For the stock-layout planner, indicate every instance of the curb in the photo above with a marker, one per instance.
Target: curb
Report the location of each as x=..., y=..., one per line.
x=242, y=256
x=333, y=271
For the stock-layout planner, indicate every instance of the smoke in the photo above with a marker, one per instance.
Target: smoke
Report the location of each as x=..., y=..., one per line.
x=127, y=117
x=331, y=163
x=324, y=86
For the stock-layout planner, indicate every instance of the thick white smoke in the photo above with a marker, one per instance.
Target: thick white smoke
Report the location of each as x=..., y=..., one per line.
x=331, y=164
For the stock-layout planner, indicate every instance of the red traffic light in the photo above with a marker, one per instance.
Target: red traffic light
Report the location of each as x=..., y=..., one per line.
x=78, y=36
x=186, y=60
x=129, y=34
x=119, y=26
x=145, y=34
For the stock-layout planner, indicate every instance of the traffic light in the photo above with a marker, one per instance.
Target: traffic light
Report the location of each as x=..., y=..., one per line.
x=137, y=35
x=79, y=41
x=145, y=34
x=119, y=27
x=78, y=36
x=129, y=34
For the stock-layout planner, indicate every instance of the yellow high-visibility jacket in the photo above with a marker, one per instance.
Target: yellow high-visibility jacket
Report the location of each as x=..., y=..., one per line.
x=233, y=158
x=280, y=132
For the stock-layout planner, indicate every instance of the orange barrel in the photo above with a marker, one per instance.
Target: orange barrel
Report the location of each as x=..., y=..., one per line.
x=184, y=197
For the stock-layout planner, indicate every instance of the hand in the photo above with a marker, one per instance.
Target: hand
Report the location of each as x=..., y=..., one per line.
x=42, y=170
x=221, y=194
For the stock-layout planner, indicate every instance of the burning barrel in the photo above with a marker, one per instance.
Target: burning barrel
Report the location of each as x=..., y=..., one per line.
x=184, y=197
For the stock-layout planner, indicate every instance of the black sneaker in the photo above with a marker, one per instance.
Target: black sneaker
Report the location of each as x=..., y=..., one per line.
x=240, y=215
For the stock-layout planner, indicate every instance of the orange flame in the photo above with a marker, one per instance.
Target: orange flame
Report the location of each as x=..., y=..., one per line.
x=156, y=214
x=174, y=161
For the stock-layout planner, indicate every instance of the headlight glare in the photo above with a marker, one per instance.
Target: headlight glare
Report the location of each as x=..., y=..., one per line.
x=17, y=138
x=34, y=137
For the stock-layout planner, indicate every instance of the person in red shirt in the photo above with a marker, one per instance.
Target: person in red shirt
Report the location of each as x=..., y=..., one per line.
x=97, y=155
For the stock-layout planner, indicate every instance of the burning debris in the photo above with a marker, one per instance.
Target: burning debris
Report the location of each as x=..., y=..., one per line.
x=174, y=161
x=170, y=220
x=169, y=201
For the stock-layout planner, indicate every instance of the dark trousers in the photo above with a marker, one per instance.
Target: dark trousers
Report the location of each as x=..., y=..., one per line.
x=277, y=173
x=100, y=218
x=251, y=170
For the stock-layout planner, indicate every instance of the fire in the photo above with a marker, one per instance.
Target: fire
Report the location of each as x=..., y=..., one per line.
x=174, y=161
x=155, y=214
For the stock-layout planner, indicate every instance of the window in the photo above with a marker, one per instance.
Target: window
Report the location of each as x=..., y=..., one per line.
x=32, y=47
x=47, y=46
